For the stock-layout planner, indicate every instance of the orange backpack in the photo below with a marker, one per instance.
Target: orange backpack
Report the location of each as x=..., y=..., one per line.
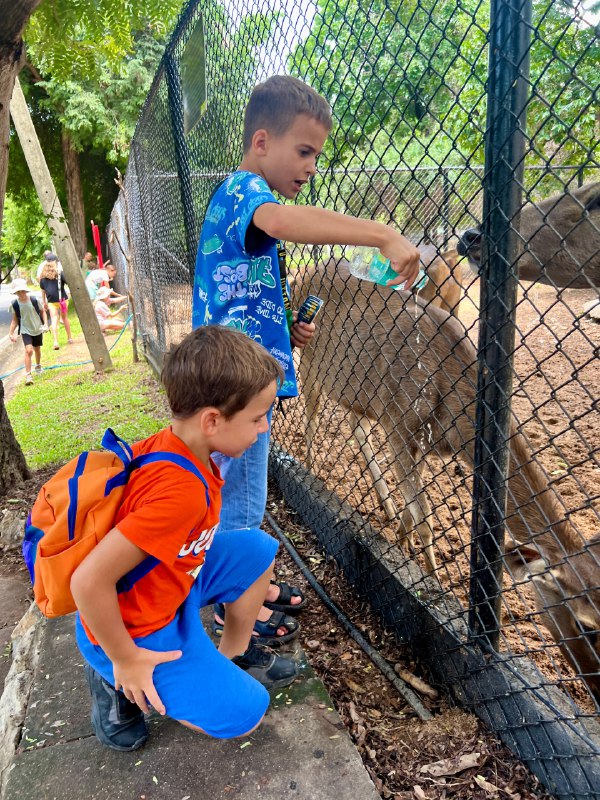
x=74, y=510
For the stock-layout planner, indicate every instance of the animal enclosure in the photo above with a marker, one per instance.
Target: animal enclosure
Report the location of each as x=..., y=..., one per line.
x=445, y=447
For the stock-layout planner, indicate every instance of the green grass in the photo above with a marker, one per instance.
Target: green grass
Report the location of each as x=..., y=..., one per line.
x=68, y=408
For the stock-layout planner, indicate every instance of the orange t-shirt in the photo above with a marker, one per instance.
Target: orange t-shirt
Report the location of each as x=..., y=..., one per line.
x=164, y=512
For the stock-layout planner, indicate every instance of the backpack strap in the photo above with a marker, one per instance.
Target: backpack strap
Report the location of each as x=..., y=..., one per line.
x=128, y=580
x=151, y=458
x=17, y=310
x=110, y=441
x=36, y=305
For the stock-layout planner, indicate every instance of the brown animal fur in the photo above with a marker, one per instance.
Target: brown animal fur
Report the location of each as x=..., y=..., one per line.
x=412, y=371
x=561, y=240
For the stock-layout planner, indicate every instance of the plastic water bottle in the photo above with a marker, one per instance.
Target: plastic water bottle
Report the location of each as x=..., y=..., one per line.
x=368, y=264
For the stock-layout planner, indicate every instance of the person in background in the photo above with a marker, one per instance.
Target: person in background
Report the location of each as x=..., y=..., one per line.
x=48, y=256
x=103, y=277
x=87, y=264
x=29, y=319
x=108, y=320
x=55, y=298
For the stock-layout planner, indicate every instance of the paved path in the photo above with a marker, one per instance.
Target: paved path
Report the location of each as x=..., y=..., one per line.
x=301, y=751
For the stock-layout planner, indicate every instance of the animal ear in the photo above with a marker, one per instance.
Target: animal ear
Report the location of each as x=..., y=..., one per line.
x=519, y=560
x=594, y=203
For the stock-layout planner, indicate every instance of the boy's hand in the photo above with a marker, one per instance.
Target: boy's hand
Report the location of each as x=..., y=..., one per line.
x=301, y=332
x=404, y=258
x=12, y=337
x=133, y=676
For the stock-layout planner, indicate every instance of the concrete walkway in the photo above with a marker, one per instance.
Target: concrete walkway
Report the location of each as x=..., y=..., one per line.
x=301, y=751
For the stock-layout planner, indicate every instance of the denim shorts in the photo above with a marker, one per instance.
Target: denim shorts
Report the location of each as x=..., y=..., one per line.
x=204, y=687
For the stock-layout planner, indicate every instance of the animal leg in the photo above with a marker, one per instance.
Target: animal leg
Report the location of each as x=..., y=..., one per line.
x=362, y=428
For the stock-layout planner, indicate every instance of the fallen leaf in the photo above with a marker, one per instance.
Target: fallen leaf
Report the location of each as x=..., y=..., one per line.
x=489, y=787
x=353, y=685
x=313, y=644
x=451, y=766
x=354, y=715
x=419, y=793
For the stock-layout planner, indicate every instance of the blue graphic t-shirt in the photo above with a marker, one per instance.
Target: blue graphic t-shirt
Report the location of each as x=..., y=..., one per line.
x=237, y=272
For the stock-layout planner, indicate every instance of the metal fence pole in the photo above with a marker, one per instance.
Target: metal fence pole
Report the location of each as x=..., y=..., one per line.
x=510, y=30
x=182, y=159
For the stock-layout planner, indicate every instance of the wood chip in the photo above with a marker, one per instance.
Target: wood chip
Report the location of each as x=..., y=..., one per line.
x=354, y=715
x=354, y=686
x=452, y=766
x=415, y=682
x=489, y=787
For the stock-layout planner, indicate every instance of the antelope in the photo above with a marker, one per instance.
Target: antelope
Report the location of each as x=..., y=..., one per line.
x=560, y=239
x=443, y=290
x=411, y=370
x=444, y=286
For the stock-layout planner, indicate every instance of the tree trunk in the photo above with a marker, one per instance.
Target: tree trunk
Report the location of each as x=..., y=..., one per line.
x=13, y=467
x=74, y=195
x=61, y=235
x=14, y=17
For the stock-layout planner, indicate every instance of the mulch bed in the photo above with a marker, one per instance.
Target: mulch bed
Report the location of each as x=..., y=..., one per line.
x=451, y=756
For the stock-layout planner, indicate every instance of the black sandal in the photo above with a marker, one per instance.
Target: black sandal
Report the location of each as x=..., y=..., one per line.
x=264, y=632
x=284, y=601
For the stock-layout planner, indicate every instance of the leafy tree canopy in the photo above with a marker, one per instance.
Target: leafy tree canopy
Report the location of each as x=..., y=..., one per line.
x=71, y=39
x=407, y=80
x=101, y=112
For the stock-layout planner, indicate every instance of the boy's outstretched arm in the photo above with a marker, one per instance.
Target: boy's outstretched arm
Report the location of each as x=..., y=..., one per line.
x=94, y=589
x=309, y=225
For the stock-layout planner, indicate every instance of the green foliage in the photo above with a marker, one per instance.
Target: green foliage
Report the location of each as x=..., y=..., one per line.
x=102, y=112
x=407, y=80
x=563, y=116
x=70, y=39
x=68, y=408
x=393, y=72
x=24, y=232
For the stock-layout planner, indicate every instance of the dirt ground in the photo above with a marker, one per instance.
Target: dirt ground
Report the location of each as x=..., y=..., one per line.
x=452, y=755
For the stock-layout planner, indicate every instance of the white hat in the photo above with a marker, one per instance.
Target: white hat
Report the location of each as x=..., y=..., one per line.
x=19, y=285
x=102, y=293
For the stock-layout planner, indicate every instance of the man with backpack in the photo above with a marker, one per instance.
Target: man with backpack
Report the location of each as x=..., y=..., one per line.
x=29, y=319
x=156, y=559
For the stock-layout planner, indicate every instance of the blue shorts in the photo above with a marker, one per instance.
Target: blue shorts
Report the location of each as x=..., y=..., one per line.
x=204, y=687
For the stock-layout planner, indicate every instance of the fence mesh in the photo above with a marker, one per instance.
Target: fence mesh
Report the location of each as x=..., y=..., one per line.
x=386, y=420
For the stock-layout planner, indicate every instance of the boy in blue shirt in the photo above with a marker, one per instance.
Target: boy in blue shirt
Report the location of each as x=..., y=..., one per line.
x=237, y=281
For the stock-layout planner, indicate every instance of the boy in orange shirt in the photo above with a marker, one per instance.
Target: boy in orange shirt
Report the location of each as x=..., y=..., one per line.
x=139, y=591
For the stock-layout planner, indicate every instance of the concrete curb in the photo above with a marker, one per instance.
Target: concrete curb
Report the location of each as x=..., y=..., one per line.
x=25, y=640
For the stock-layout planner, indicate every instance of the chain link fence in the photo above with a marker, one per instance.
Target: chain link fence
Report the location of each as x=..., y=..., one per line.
x=474, y=129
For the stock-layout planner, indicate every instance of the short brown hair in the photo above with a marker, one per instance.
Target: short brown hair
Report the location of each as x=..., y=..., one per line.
x=275, y=104
x=217, y=366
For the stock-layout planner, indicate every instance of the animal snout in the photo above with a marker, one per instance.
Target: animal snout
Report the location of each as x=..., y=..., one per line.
x=470, y=241
x=469, y=245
